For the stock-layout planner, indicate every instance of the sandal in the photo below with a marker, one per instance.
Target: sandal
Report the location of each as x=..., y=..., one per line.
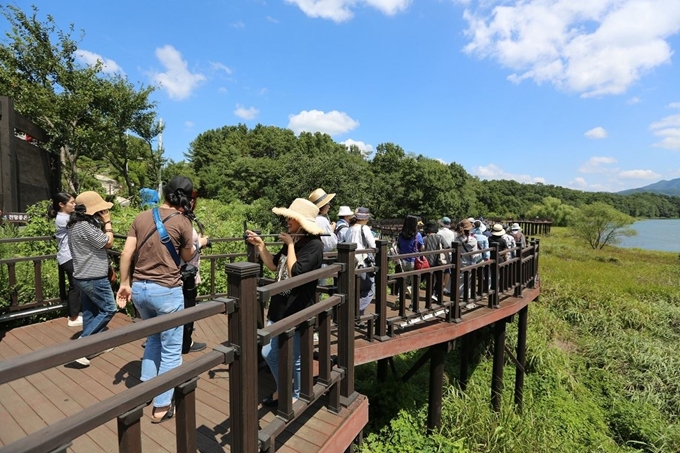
x=270, y=401
x=167, y=416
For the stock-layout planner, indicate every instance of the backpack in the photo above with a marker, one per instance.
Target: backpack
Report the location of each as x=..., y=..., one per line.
x=339, y=228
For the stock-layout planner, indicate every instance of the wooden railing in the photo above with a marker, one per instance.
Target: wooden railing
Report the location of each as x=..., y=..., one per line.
x=335, y=376
x=487, y=282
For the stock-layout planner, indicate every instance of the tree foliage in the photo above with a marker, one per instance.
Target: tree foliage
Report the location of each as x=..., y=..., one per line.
x=599, y=225
x=85, y=111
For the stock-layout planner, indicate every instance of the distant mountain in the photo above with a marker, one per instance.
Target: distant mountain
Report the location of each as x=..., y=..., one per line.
x=671, y=187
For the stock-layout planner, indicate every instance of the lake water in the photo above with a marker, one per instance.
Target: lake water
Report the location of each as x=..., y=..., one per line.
x=654, y=234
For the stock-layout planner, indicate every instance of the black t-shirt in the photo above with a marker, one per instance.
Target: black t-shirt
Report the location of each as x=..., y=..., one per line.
x=309, y=253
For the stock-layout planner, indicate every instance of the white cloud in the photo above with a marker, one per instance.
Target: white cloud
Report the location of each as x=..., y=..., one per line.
x=595, y=47
x=90, y=58
x=221, y=67
x=493, y=171
x=177, y=80
x=634, y=100
x=342, y=10
x=365, y=148
x=238, y=24
x=222, y=90
x=246, y=113
x=189, y=124
x=669, y=129
x=639, y=174
x=596, y=133
x=674, y=105
x=272, y=20
x=579, y=182
x=331, y=123
x=597, y=165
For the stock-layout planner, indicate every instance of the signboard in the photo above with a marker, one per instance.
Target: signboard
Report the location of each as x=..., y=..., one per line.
x=14, y=217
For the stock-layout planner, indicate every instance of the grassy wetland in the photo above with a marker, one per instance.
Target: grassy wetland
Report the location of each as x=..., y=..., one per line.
x=603, y=368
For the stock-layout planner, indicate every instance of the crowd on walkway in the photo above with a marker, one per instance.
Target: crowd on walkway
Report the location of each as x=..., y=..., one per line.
x=160, y=260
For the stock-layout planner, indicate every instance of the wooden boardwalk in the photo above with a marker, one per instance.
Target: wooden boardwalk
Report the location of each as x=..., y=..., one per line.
x=41, y=399
x=31, y=403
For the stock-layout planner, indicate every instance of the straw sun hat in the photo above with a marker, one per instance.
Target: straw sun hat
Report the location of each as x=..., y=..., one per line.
x=305, y=212
x=498, y=230
x=320, y=198
x=93, y=202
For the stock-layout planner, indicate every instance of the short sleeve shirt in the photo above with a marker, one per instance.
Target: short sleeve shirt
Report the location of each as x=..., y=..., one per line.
x=153, y=260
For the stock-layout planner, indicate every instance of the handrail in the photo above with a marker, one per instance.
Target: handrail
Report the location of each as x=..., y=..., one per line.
x=488, y=280
x=43, y=359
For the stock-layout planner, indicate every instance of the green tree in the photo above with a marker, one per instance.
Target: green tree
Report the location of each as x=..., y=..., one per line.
x=84, y=111
x=599, y=224
x=553, y=208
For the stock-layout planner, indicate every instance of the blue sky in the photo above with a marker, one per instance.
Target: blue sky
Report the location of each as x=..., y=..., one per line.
x=578, y=93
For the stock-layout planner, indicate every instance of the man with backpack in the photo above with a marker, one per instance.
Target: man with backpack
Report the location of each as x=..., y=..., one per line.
x=344, y=215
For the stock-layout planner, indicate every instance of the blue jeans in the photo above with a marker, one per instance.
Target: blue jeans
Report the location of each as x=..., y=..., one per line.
x=163, y=351
x=98, y=304
x=270, y=352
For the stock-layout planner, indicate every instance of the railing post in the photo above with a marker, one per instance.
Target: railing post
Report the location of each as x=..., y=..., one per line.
x=456, y=275
x=130, y=431
x=346, y=313
x=242, y=285
x=381, y=290
x=495, y=275
x=185, y=397
x=518, y=274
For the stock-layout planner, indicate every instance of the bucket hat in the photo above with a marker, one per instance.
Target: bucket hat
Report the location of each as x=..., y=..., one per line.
x=93, y=202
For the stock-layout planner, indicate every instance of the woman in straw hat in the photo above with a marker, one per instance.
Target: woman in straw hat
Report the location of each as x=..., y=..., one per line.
x=91, y=234
x=302, y=252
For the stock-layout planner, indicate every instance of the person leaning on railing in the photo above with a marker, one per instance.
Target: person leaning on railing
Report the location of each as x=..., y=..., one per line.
x=302, y=252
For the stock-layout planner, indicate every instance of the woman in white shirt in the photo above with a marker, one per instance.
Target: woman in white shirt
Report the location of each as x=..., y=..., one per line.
x=63, y=204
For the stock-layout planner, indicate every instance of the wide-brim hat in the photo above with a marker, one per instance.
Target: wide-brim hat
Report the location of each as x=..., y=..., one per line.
x=305, y=212
x=320, y=198
x=345, y=211
x=93, y=202
x=445, y=222
x=465, y=224
x=515, y=227
x=497, y=230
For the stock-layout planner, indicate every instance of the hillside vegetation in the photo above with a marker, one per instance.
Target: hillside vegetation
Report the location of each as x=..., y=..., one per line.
x=603, y=373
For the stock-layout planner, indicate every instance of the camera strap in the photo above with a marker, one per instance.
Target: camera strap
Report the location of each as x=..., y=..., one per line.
x=165, y=237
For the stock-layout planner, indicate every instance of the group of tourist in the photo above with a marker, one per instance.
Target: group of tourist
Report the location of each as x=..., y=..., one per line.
x=310, y=233
x=160, y=249
x=159, y=265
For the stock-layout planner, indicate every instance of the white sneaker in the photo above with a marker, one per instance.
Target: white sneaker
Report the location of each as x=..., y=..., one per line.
x=316, y=337
x=471, y=305
x=84, y=361
x=408, y=291
x=77, y=323
x=435, y=298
